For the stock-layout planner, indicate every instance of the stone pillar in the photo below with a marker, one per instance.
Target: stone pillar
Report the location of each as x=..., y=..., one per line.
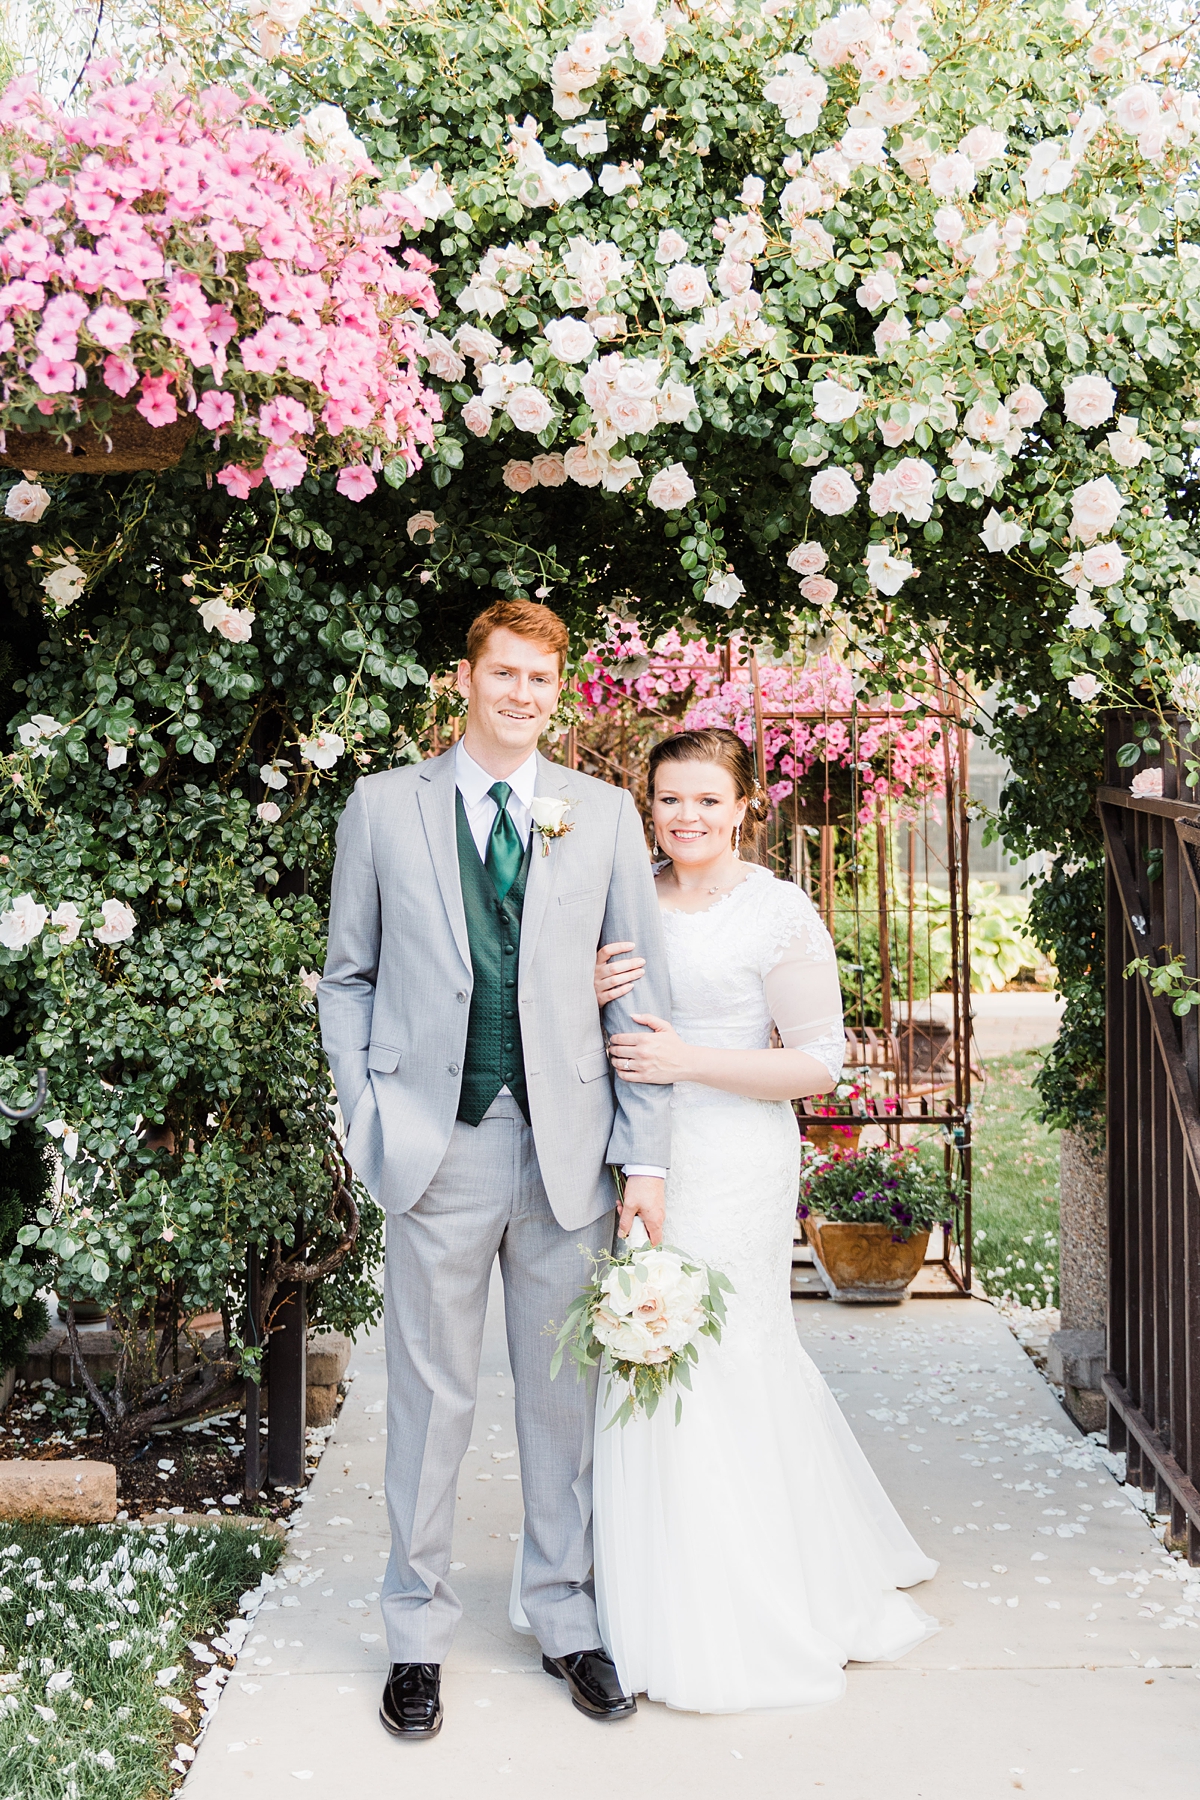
x=1078, y=1352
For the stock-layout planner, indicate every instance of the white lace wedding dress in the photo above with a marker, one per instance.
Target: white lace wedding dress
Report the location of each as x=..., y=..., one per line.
x=746, y=1554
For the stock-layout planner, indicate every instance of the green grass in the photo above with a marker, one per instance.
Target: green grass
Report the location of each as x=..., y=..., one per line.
x=89, y=1616
x=1015, y=1198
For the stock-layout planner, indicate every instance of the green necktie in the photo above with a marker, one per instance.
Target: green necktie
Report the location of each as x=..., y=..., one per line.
x=504, y=852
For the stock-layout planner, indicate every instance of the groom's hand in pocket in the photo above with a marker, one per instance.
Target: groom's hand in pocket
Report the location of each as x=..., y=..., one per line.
x=645, y=1199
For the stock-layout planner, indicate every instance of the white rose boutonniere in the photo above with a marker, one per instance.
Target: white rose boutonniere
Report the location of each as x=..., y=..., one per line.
x=550, y=819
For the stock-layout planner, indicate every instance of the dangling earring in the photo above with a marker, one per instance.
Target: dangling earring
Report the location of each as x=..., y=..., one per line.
x=737, y=839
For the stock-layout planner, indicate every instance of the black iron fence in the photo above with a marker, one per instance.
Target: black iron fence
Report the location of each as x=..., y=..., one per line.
x=1152, y=1382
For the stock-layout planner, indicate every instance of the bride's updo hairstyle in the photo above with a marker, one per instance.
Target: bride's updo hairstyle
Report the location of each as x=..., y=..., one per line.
x=714, y=744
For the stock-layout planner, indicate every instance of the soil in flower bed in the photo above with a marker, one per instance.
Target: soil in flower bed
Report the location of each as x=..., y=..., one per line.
x=195, y=1468
x=115, y=1638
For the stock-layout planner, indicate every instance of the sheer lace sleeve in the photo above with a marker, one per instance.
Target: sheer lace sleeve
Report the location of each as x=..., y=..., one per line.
x=800, y=982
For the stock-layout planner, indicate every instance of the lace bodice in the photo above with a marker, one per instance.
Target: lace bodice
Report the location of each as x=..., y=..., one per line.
x=759, y=956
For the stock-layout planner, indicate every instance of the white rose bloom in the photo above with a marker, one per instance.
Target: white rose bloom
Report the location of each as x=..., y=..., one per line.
x=1083, y=687
x=323, y=750
x=614, y=180
x=1095, y=507
x=22, y=923
x=753, y=191
x=1103, y=565
x=687, y=286
x=982, y=145
x=670, y=248
x=1088, y=400
x=68, y=920
x=1136, y=109
x=268, y=812
x=886, y=572
x=529, y=409
x=807, y=559
x=988, y=420
x=1125, y=447
x=120, y=923
x=570, y=339
x=638, y=376
x=833, y=404
x=812, y=245
x=64, y=584
x=1000, y=535
x=723, y=590
x=671, y=488
x=975, y=468
x=951, y=177
x=480, y=345
x=863, y=146
x=272, y=776
x=117, y=754
x=1185, y=690
x=1083, y=616
x=549, y=813
x=26, y=502
x=443, y=359
x=589, y=138
x=676, y=402
x=948, y=226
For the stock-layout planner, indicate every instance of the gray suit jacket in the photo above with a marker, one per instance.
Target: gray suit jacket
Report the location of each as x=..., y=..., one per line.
x=395, y=995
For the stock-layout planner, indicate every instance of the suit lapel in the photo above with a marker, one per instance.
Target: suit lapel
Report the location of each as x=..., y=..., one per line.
x=543, y=870
x=436, y=798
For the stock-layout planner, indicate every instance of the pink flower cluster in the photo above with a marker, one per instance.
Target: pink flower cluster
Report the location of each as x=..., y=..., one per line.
x=895, y=745
x=163, y=243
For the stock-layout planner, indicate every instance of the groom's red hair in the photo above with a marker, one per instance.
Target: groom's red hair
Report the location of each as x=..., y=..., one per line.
x=528, y=619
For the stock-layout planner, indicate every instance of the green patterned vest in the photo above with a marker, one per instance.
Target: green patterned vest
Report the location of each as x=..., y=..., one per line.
x=494, y=1058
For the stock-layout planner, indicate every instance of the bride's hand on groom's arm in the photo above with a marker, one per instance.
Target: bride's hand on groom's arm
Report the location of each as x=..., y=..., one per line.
x=658, y=1056
x=613, y=980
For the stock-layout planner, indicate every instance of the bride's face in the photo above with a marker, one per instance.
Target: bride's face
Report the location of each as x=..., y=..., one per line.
x=695, y=811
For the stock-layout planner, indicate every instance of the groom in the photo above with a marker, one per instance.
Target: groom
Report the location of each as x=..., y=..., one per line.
x=460, y=1020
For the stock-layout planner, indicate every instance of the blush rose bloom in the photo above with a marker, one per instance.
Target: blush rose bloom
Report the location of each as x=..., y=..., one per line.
x=951, y=176
x=687, y=286
x=120, y=923
x=1103, y=565
x=832, y=491
x=1147, y=784
x=26, y=502
x=671, y=488
x=1026, y=404
x=548, y=471
x=22, y=923
x=1083, y=687
x=819, y=590
x=1088, y=400
x=570, y=339
x=671, y=248
x=529, y=409
x=807, y=559
x=268, y=812
x=519, y=477
x=421, y=521
x=1095, y=507
x=477, y=417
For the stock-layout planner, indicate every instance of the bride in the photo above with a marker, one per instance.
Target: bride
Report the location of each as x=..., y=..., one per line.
x=746, y=1554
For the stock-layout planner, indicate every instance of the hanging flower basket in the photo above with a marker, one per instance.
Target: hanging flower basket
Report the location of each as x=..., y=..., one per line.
x=126, y=443
x=168, y=262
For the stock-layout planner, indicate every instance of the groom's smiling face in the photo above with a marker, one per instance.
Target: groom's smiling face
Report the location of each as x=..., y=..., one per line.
x=511, y=694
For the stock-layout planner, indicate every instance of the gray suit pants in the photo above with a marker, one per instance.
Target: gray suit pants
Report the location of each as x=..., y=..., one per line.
x=486, y=1198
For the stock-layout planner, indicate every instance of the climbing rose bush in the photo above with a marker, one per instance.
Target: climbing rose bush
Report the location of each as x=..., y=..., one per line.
x=913, y=284
x=166, y=251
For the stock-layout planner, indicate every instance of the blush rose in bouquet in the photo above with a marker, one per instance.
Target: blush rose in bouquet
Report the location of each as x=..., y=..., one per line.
x=642, y=1315
x=165, y=254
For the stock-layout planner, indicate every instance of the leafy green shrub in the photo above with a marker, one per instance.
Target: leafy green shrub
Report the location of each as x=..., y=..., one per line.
x=877, y=1187
x=26, y=1177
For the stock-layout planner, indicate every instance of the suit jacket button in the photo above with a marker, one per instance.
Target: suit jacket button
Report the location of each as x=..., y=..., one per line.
x=452, y=1068
x=461, y=997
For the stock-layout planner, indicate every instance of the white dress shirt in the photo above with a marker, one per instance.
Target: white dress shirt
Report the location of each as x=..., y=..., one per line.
x=473, y=784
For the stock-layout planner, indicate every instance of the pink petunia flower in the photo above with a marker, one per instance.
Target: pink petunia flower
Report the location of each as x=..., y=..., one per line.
x=356, y=482
x=157, y=404
x=285, y=466
x=282, y=419
x=112, y=326
x=119, y=375
x=215, y=409
x=45, y=200
x=225, y=235
x=239, y=481
x=57, y=377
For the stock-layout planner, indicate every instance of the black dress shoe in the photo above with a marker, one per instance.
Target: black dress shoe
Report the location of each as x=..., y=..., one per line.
x=595, y=1685
x=412, y=1703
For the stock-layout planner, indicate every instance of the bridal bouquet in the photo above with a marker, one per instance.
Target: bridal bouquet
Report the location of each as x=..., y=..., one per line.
x=643, y=1312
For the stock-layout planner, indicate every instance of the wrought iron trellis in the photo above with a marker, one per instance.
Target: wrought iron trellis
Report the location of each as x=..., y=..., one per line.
x=916, y=1084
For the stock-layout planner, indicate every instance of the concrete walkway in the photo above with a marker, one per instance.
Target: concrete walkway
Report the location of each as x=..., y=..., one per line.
x=1067, y=1663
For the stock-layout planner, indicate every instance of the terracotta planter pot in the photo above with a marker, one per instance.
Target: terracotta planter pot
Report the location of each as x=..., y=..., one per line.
x=861, y=1262
x=829, y=1138
x=128, y=442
